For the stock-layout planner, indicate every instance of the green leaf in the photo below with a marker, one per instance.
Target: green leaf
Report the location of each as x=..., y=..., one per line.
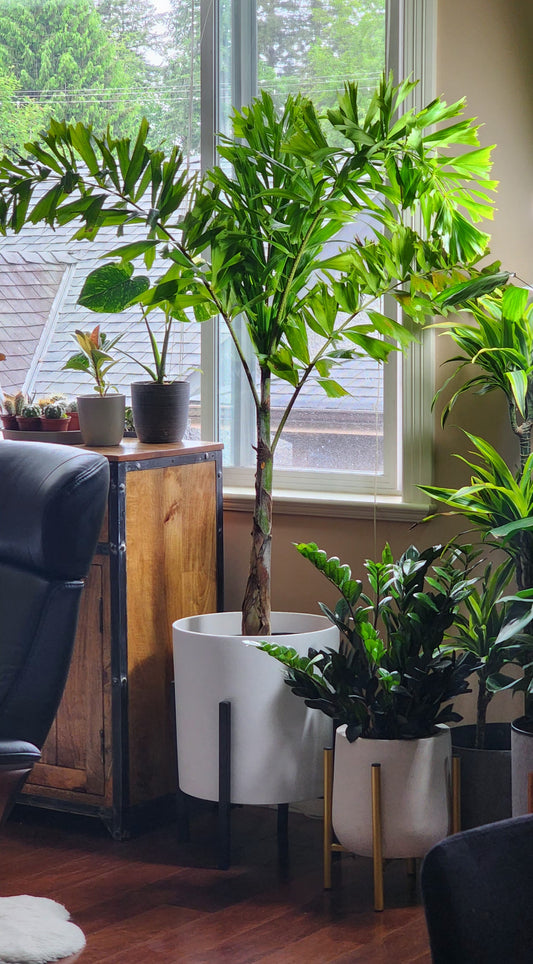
x=111, y=288
x=132, y=250
x=332, y=388
x=470, y=290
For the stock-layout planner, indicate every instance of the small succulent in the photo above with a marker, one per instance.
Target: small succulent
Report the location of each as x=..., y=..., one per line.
x=54, y=410
x=72, y=407
x=31, y=411
x=13, y=404
x=55, y=399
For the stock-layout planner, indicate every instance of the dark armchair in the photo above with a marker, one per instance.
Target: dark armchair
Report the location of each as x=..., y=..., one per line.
x=52, y=502
x=478, y=892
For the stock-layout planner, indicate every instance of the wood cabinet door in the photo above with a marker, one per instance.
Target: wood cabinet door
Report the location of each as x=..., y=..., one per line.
x=73, y=757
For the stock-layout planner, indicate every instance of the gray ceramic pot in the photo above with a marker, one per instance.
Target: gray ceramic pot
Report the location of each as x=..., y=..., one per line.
x=101, y=418
x=160, y=412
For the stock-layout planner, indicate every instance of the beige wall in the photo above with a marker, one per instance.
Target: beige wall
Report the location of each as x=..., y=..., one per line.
x=484, y=53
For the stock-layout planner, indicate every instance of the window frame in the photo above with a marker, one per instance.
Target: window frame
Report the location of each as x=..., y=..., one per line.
x=411, y=33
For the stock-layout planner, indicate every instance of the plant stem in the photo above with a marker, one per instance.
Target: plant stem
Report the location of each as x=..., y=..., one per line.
x=256, y=602
x=483, y=700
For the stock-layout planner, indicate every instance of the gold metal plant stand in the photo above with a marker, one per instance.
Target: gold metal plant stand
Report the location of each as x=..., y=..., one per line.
x=331, y=847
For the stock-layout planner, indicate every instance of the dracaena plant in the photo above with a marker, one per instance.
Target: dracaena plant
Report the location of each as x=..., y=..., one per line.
x=495, y=630
x=496, y=346
x=499, y=344
x=498, y=504
x=265, y=237
x=393, y=677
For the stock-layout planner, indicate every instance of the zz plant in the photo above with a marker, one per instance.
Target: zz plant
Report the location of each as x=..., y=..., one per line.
x=393, y=677
x=259, y=239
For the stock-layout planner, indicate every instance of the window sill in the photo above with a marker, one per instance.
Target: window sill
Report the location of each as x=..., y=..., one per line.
x=330, y=505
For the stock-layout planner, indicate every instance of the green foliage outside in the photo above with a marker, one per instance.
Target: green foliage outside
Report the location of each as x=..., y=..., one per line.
x=111, y=62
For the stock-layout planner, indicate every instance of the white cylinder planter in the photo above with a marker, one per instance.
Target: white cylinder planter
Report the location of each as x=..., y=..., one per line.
x=521, y=763
x=415, y=793
x=276, y=741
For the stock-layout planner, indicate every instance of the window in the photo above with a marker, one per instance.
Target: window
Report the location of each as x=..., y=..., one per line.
x=377, y=440
x=183, y=65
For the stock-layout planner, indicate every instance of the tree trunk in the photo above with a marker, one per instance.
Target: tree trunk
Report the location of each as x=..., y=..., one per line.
x=256, y=607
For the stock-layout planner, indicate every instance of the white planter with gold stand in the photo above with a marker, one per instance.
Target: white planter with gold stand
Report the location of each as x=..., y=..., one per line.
x=387, y=799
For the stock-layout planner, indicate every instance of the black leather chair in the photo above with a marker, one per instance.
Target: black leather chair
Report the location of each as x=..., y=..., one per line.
x=477, y=888
x=52, y=502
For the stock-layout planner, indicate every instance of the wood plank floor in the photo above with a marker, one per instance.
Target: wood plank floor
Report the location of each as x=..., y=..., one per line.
x=151, y=899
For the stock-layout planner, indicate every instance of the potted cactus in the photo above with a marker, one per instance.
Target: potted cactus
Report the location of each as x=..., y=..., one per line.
x=7, y=414
x=54, y=418
x=12, y=406
x=72, y=411
x=29, y=419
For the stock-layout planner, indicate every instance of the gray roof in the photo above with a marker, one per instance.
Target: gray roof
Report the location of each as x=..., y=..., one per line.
x=41, y=274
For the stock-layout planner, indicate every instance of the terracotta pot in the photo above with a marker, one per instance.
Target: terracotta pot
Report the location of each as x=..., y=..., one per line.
x=160, y=412
x=9, y=422
x=74, y=422
x=415, y=793
x=54, y=424
x=31, y=424
x=276, y=741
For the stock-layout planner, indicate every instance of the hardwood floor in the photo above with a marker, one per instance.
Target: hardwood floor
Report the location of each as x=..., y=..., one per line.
x=152, y=899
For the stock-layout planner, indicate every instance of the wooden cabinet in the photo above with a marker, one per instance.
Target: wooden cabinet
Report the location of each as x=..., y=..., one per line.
x=111, y=751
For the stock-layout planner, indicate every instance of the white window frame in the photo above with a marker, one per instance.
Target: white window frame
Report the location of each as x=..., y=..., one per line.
x=411, y=52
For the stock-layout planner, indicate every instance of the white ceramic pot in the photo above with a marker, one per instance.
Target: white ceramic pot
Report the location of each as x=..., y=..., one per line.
x=415, y=793
x=276, y=741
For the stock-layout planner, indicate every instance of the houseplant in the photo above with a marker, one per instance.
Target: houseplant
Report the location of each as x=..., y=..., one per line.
x=101, y=415
x=54, y=418
x=160, y=406
x=260, y=238
x=498, y=502
x=495, y=631
x=29, y=419
x=499, y=346
x=11, y=407
x=72, y=411
x=389, y=689
x=270, y=224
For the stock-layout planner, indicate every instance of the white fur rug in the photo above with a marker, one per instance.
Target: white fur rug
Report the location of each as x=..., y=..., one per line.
x=35, y=930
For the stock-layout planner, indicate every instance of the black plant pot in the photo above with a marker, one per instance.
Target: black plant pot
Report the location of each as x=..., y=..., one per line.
x=160, y=412
x=485, y=774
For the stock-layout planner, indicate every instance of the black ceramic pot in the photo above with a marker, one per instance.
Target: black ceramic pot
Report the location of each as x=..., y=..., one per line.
x=485, y=774
x=160, y=412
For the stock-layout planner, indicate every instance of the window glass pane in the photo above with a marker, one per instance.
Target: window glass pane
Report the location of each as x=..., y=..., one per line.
x=105, y=63
x=313, y=46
